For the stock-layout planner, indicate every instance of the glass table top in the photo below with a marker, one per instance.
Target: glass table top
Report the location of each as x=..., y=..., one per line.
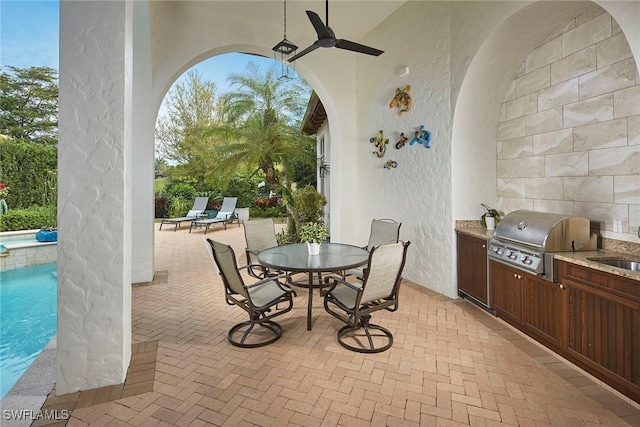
x=295, y=257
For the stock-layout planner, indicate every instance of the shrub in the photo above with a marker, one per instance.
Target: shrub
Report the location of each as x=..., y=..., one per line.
x=161, y=206
x=25, y=219
x=181, y=190
x=309, y=204
x=24, y=167
x=267, y=202
x=272, y=212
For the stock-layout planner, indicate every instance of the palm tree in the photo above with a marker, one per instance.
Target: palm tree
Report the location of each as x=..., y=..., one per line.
x=262, y=130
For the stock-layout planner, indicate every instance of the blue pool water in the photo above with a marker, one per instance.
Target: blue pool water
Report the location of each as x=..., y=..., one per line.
x=27, y=318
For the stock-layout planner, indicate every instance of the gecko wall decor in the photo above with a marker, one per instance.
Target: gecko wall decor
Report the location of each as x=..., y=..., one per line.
x=403, y=140
x=422, y=136
x=381, y=144
x=402, y=100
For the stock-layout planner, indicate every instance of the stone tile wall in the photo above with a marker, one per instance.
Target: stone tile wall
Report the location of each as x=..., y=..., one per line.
x=569, y=128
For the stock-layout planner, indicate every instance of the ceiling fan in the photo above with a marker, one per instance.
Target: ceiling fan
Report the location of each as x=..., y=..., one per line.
x=327, y=38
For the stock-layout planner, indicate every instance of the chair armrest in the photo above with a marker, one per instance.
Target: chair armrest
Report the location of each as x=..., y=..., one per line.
x=338, y=279
x=267, y=279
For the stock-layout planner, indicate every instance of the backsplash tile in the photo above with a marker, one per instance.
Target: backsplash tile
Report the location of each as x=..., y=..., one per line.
x=627, y=189
x=558, y=95
x=633, y=130
x=578, y=151
x=586, y=34
x=591, y=110
x=544, y=55
x=574, y=65
x=589, y=188
x=612, y=50
x=627, y=102
x=619, y=75
x=615, y=161
x=568, y=164
x=608, y=134
x=560, y=141
x=544, y=121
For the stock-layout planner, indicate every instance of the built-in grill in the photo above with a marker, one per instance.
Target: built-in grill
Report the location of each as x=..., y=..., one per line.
x=527, y=240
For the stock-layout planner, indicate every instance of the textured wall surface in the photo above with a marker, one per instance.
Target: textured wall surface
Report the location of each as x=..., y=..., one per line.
x=417, y=192
x=569, y=130
x=94, y=259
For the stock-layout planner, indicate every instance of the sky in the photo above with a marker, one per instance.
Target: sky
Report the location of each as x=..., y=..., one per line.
x=29, y=37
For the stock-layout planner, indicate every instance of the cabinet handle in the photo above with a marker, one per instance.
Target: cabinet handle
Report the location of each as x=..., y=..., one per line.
x=484, y=246
x=561, y=286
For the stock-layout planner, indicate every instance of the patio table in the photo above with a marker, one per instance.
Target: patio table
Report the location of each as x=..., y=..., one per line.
x=295, y=258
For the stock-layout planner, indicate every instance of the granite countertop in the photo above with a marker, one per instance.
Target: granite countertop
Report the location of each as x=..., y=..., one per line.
x=579, y=258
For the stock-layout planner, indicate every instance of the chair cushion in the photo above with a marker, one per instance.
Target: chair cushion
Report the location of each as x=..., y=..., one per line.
x=345, y=295
x=193, y=213
x=266, y=293
x=223, y=215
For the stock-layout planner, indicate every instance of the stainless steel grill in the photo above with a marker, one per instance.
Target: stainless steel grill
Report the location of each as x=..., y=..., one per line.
x=527, y=240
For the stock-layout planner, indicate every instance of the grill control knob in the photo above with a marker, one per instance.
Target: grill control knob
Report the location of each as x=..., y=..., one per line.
x=511, y=255
x=527, y=260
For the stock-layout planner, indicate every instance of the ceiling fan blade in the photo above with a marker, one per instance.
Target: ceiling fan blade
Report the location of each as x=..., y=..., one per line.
x=356, y=47
x=319, y=26
x=304, y=52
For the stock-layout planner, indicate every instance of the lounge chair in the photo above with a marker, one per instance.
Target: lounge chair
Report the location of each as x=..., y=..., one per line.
x=198, y=207
x=226, y=215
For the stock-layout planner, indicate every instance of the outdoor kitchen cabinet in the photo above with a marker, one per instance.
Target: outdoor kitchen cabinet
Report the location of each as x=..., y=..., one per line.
x=529, y=303
x=603, y=325
x=472, y=267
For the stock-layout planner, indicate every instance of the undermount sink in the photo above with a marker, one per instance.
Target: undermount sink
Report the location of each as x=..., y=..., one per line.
x=618, y=262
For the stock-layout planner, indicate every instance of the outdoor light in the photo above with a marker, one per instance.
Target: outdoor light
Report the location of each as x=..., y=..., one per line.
x=283, y=50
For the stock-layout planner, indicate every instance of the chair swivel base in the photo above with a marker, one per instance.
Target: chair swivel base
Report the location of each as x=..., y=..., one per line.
x=364, y=329
x=273, y=333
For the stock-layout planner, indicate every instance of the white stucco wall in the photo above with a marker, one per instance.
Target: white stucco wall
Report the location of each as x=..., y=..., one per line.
x=94, y=203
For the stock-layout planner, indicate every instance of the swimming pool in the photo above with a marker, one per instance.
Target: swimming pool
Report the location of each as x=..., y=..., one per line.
x=28, y=299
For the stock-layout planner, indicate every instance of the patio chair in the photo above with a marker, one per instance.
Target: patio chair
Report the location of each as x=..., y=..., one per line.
x=383, y=231
x=226, y=215
x=259, y=234
x=199, y=205
x=356, y=301
x=258, y=300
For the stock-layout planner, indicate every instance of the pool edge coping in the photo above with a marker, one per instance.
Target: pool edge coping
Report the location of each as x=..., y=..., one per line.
x=29, y=393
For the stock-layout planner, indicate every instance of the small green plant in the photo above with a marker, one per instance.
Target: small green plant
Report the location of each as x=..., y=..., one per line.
x=313, y=232
x=489, y=212
x=178, y=206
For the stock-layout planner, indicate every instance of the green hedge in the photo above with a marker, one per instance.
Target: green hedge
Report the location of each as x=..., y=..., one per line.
x=25, y=219
x=24, y=167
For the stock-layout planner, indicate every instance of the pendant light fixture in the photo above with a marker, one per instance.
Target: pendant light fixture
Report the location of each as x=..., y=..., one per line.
x=283, y=50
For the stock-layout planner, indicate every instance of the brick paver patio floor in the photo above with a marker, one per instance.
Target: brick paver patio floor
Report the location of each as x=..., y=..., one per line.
x=451, y=363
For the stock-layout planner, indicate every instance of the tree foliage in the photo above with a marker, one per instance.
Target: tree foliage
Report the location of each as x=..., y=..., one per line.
x=181, y=134
x=29, y=104
x=262, y=130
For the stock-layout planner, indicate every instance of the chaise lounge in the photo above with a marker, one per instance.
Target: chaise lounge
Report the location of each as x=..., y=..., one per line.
x=199, y=206
x=226, y=215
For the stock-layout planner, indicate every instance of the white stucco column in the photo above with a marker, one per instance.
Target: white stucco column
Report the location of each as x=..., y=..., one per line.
x=142, y=268
x=94, y=172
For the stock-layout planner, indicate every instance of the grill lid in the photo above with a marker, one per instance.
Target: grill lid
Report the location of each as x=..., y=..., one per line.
x=546, y=232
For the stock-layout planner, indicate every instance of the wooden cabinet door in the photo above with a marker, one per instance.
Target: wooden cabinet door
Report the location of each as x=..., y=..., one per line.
x=543, y=307
x=472, y=267
x=604, y=326
x=506, y=291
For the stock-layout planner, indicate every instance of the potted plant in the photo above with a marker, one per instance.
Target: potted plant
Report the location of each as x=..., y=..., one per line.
x=490, y=217
x=313, y=233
